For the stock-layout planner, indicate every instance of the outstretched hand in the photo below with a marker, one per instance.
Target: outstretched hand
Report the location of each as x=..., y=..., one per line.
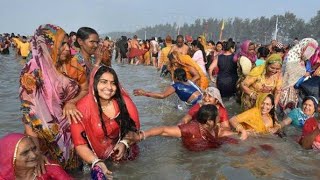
x=138, y=92
x=133, y=137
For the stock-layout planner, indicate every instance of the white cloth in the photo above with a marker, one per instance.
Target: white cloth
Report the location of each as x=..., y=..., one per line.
x=198, y=58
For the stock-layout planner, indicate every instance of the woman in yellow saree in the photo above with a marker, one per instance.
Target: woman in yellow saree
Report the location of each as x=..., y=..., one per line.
x=260, y=119
x=262, y=79
x=193, y=70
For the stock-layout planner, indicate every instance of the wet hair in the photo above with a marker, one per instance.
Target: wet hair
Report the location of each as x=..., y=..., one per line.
x=263, y=51
x=207, y=112
x=135, y=37
x=180, y=74
x=219, y=42
x=83, y=33
x=277, y=49
x=313, y=99
x=198, y=44
x=180, y=36
x=72, y=33
x=211, y=42
x=124, y=120
x=106, y=38
x=229, y=45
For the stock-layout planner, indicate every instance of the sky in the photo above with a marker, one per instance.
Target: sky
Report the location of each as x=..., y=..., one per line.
x=24, y=16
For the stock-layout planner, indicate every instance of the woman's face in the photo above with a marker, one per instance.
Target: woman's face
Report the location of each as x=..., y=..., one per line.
x=106, y=87
x=210, y=46
x=212, y=123
x=219, y=47
x=90, y=44
x=207, y=99
x=273, y=68
x=252, y=49
x=64, y=50
x=73, y=38
x=27, y=154
x=266, y=106
x=308, y=107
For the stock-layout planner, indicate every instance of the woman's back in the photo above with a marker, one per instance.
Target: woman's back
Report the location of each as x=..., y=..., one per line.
x=226, y=65
x=227, y=76
x=184, y=90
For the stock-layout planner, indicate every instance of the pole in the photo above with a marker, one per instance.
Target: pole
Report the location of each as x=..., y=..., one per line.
x=145, y=35
x=221, y=30
x=276, y=31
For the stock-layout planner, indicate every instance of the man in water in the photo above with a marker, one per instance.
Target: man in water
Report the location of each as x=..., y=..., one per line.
x=135, y=50
x=180, y=47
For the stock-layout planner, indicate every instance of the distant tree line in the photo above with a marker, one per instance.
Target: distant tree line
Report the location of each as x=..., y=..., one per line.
x=260, y=29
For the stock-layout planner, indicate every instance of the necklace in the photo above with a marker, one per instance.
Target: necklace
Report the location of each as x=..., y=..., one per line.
x=104, y=108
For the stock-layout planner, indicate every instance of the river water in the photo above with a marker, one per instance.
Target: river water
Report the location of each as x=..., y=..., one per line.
x=166, y=158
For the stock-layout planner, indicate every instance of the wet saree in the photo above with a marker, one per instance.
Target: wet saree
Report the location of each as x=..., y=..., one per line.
x=43, y=92
x=89, y=130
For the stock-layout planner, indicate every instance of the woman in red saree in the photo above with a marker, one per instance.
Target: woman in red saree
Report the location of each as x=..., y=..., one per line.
x=195, y=135
x=108, y=116
x=19, y=158
x=310, y=138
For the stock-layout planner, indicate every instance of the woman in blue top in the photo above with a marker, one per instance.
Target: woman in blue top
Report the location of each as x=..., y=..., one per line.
x=186, y=90
x=298, y=116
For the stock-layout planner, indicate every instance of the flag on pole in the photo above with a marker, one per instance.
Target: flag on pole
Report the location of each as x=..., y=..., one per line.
x=221, y=30
x=222, y=25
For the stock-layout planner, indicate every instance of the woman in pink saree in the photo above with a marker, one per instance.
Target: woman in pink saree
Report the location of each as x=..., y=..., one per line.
x=19, y=158
x=50, y=85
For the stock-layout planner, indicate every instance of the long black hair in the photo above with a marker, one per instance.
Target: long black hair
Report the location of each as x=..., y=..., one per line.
x=273, y=110
x=83, y=33
x=198, y=44
x=124, y=121
x=207, y=112
x=180, y=74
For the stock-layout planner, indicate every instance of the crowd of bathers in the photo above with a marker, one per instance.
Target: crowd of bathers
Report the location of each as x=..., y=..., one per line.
x=76, y=112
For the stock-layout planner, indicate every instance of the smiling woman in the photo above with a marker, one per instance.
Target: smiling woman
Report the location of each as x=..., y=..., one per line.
x=19, y=158
x=262, y=79
x=260, y=119
x=298, y=116
x=108, y=116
